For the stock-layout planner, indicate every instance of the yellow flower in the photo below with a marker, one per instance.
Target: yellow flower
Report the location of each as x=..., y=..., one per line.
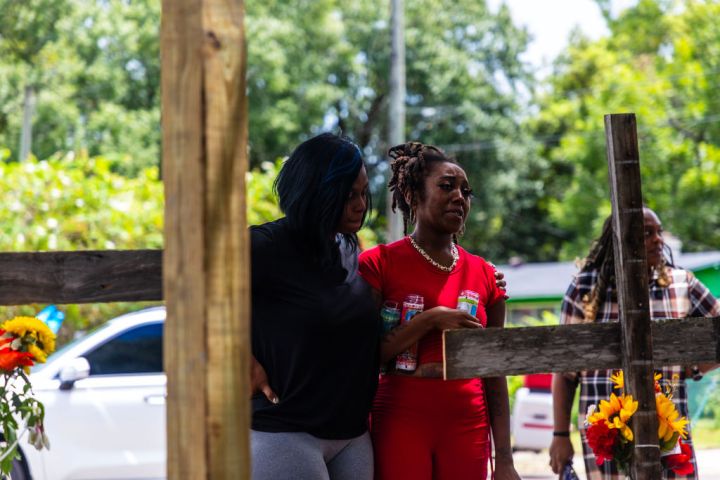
x=38, y=355
x=616, y=413
x=668, y=421
x=618, y=378
x=34, y=333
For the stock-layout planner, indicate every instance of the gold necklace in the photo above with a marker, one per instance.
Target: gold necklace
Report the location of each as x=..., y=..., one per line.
x=453, y=252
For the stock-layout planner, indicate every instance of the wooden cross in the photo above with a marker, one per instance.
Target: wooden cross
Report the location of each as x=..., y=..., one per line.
x=635, y=343
x=206, y=258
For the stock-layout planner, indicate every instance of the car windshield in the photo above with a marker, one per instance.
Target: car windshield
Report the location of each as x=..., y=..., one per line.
x=38, y=367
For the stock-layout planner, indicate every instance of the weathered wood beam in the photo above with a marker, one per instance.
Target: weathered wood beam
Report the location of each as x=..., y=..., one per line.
x=631, y=273
x=80, y=277
x=514, y=351
x=185, y=352
x=206, y=262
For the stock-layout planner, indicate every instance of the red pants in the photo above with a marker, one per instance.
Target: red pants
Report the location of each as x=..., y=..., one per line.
x=430, y=429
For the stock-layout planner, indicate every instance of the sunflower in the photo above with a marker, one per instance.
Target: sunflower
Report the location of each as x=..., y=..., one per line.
x=616, y=413
x=668, y=422
x=618, y=378
x=35, y=337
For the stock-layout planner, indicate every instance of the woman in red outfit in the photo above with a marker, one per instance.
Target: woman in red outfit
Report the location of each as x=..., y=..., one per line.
x=423, y=427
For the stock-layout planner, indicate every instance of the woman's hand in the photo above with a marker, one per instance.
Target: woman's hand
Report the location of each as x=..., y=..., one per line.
x=444, y=318
x=259, y=381
x=505, y=470
x=561, y=453
x=499, y=278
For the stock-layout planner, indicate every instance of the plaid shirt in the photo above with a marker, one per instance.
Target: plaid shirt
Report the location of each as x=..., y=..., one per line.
x=684, y=297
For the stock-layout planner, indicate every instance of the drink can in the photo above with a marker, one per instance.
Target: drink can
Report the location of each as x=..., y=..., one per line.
x=390, y=314
x=468, y=302
x=407, y=360
x=412, y=305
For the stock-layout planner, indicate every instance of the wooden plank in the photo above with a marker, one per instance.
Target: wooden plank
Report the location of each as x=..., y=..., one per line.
x=631, y=273
x=80, y=277
x=517, y=351
x=181, y=41
x=207, y=259
x=227, y=257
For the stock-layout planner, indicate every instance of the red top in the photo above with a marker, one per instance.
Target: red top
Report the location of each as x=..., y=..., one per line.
x=397, y=270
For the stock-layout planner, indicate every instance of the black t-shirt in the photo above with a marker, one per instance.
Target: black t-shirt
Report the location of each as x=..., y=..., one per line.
x=317, y=333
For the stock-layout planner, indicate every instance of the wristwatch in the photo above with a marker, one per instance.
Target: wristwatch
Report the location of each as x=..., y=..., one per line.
x=696, y=373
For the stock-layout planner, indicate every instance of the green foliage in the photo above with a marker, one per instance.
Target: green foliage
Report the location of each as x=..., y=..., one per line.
x=669, y=79
x=704, y=398
x=95, y=67
x=311, y=66
x=26, y=27
x=463, y=79
x=514, y=383
x=262, y=202
x=77, y=203
x=539, y=173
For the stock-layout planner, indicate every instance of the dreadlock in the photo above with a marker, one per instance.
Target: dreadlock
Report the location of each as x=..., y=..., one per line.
x=410, y=165
x=602, y=259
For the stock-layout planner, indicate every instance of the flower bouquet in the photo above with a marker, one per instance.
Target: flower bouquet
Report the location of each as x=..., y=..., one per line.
x=24, y=341
x=611, y=439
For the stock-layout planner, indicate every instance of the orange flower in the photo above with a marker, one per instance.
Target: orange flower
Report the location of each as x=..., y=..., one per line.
x=11, y=359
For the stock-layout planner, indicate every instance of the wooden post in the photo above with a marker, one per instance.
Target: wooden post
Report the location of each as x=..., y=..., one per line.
x=206, y=261
x=631, y=273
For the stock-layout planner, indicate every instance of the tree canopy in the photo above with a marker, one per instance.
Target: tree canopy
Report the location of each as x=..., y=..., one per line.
x=534, y=149
x=669, y=80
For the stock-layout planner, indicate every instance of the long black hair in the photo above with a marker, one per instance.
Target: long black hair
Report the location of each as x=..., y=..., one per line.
x=313, y=187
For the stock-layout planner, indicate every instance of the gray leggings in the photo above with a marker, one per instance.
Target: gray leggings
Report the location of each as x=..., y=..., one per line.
x=301, y=456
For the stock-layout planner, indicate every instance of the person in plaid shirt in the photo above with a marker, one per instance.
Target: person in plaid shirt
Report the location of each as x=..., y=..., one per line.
x=591, y=297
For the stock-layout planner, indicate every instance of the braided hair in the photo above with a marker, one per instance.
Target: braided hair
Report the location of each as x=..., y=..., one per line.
x=601, y=258
x=410, y=166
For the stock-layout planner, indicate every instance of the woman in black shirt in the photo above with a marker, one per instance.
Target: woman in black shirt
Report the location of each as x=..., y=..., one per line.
x=315, y=327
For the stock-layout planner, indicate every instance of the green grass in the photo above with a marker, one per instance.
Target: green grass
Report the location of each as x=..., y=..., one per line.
x=706, y=434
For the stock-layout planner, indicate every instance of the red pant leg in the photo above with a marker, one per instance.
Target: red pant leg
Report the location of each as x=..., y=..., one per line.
x=427, y=429
x=463, y=455
x=401, y=440
x=463, y=443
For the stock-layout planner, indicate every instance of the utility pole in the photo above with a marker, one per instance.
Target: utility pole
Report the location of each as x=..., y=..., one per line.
x=28, y=112
x=396, y=110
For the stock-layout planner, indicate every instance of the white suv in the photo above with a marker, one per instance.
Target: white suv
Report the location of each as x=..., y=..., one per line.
x=104, y=396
